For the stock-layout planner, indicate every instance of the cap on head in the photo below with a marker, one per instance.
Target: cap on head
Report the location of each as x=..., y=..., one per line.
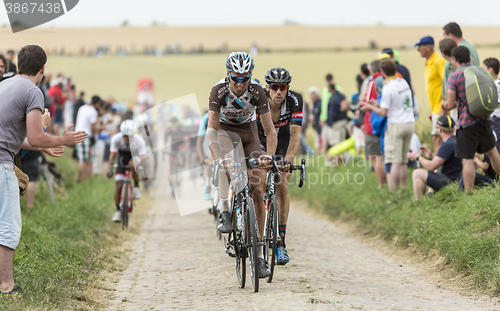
x=382, y=56
x=446, y=122
x=427, y=40
x=387, y=51
x=379, y=83
x=239, y=62
x=313, y=90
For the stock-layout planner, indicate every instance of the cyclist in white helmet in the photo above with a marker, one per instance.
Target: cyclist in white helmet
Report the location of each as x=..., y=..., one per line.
x=234, y=104
x=122, y=145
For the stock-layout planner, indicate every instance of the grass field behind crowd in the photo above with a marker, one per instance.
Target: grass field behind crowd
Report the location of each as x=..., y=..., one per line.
x=179, y=75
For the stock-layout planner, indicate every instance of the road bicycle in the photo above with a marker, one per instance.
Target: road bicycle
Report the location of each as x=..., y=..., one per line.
x=271, y=236
x=176, y=166
x=243, y=239
x=126, y=197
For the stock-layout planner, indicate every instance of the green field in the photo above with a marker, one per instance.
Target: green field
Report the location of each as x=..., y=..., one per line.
x=179, y=75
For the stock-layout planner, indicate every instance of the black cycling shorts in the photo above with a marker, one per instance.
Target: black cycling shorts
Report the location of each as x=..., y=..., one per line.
x=123, y=160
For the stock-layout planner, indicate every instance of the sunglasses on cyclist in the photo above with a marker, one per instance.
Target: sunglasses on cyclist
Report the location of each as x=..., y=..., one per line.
x=240, y=79
x=276, y=87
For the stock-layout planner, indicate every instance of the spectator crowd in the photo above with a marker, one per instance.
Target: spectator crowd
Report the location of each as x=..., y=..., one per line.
x=380, y=117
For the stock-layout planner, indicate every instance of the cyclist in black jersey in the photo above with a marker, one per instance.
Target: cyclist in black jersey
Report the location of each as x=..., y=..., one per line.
x=285, y=106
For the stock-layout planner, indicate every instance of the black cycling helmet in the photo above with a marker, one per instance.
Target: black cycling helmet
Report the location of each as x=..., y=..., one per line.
x=278, y=75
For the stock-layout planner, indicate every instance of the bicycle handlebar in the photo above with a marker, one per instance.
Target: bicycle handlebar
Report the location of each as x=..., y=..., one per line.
x=252, y=163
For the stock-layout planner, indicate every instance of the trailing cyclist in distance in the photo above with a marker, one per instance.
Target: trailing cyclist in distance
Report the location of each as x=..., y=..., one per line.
x=204, y=156
x=233, y=104
x=286, y=112
x=121, y=147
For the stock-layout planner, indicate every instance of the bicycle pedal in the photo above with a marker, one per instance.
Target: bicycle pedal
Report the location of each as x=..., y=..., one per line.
x=229, y=253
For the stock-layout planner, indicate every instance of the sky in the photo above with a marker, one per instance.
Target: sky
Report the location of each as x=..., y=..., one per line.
x=112, y=13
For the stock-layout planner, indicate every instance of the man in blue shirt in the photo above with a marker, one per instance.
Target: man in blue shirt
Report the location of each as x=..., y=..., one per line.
x=335, y=129
x=451, y=166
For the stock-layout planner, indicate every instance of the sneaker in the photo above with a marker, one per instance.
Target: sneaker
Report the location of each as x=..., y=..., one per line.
x=264, y=271
x=206, y=194
x=225, y=222
x=282, y=255
x=137, y=193
x=117, y=217
x=16, y=291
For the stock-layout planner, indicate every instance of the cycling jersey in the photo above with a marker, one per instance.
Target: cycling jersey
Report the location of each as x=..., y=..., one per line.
x=238, y=110
x=290, y=114
x=137, y=143
x=177, y=138
x=202, y=130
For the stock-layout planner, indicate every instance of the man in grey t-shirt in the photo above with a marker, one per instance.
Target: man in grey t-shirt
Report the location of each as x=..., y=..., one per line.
x=21, y=127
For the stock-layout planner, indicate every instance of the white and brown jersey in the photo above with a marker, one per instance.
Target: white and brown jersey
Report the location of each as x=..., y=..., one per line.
x=237, y=110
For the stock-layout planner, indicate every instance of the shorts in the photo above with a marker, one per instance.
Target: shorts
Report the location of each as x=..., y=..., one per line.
x=397, y=142
x=495, y=126
x=387, y=167
x=372, y=145
x=107, y=153
x=336, y=133
x=435, y=117
x=359, y=137
x=58, y=118
x=83, y=150
x=10, y=208
x=475, y=138
x=437, y=181
x=283, y=143
x=246, y=133
x=32, y=169
x=123, y=160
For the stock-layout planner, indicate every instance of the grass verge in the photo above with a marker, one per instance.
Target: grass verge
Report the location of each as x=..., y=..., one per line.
x=62, y=245
x=464, y=229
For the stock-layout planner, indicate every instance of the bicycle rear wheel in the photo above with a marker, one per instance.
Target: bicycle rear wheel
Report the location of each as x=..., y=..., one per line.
x=271, y=235
x=251, y=242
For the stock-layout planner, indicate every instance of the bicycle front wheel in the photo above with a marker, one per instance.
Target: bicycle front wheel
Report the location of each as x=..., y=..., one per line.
x=251, y=240
x=126, y=195
x=271, y=235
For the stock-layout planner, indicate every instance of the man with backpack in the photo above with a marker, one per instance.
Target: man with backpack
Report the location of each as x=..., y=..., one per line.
x=473, y=126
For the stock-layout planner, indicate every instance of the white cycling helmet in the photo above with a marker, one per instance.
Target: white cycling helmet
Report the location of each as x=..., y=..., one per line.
x=239, y=62
x=128, y=127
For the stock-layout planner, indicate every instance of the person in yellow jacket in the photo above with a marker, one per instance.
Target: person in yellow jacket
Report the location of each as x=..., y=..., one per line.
x=434, y=72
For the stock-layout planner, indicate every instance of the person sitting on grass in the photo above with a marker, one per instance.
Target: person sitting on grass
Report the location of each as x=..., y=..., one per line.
x=451, y=166
x=482, y=180
x=485, y=165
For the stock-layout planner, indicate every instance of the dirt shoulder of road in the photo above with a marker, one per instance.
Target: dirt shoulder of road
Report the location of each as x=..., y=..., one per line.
x=115, y=259
x=431, y=265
